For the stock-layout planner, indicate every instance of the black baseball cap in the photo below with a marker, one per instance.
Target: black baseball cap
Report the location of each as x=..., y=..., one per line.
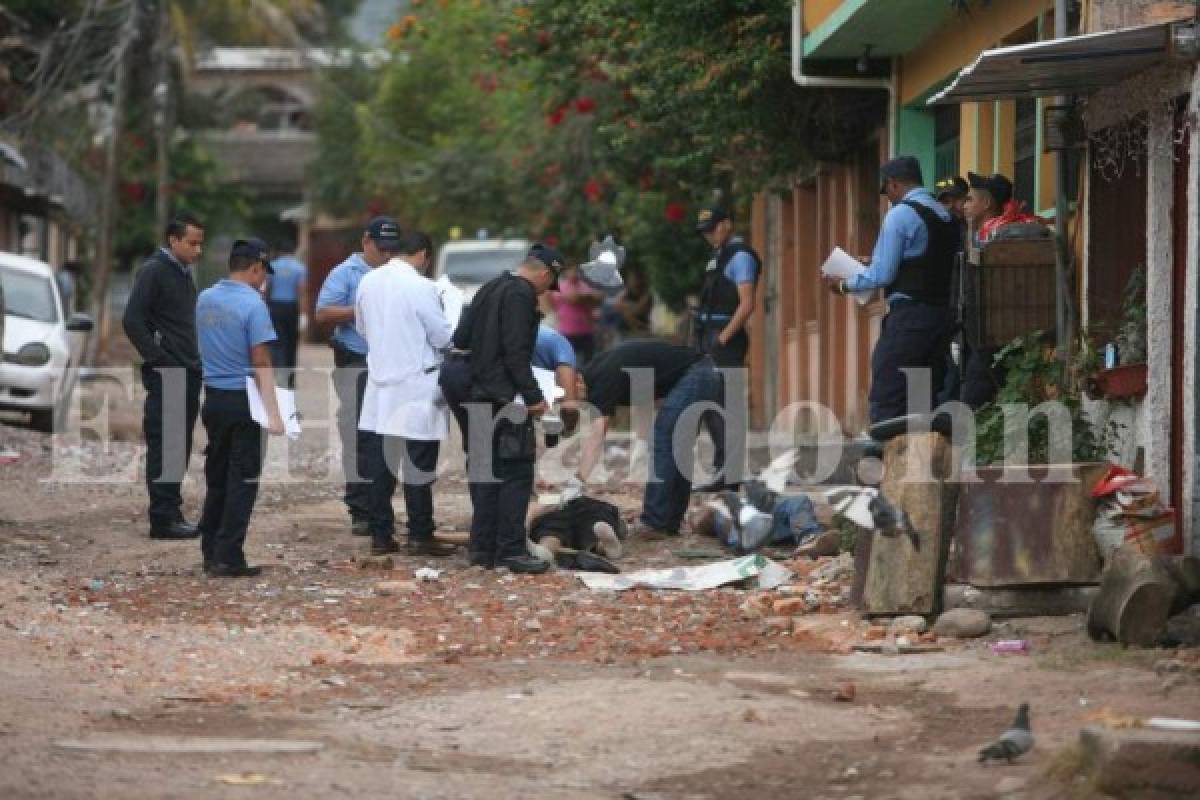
x=998, y=186
x=548, y=256
x=708, y=218
x=385, y=231
x=953, y=186
x=252, y=248
x=900, y=168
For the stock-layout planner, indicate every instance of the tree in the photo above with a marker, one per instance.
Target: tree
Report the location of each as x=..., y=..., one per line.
x=575, y=118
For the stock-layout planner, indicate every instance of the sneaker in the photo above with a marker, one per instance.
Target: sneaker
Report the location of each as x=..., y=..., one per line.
x=360, y=526
x=381, y=547
x=233, y=571
x=524, y=565
x=429, y=547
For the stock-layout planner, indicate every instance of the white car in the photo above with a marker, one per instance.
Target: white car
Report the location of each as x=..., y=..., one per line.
x=41, y=358
x=469, y=264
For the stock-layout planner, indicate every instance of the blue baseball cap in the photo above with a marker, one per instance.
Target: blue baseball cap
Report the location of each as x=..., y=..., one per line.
x=252, y=248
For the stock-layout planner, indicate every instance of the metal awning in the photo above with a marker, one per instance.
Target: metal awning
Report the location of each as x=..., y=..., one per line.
x=1077, y=65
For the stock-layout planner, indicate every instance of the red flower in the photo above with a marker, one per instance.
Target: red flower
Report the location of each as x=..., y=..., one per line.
x=585, y=105
x=675, y=212
x=593, y=190
x=646, y=181
x=550, y=241
x=543, y=39
x=502, y=43
x=487, y=83
x=555, y=117
x=132, y=191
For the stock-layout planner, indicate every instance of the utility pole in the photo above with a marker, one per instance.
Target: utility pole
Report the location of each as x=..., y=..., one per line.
x=108, y=193
x=163, y=120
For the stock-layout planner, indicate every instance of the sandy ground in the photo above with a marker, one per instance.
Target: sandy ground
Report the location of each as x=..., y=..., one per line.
x=479, y=684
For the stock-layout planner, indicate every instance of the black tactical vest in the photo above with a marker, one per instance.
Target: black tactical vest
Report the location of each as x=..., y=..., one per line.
x=718, y=294
x=927, y=278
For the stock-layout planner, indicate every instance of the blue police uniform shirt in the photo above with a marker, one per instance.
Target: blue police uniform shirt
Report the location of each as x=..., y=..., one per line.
x=552, y=350
x=903, y=235
x=340, y=289
x=285, y=283
x=231, y=318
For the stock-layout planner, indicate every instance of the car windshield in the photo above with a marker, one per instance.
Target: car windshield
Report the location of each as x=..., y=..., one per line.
x=28, y=295
x=480, y=266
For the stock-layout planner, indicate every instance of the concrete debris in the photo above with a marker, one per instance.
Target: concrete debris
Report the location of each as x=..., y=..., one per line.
x=963, y=623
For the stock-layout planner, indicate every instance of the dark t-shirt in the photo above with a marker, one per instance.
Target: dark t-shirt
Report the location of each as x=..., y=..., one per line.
x=608, y=382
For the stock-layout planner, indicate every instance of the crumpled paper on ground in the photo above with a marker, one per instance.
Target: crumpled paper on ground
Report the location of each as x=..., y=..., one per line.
x=767, y=575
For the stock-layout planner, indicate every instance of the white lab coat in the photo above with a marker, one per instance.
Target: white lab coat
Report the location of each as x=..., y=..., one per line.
x=399, y=312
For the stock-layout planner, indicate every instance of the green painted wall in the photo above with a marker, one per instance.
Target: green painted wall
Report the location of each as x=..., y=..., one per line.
x=914, y=137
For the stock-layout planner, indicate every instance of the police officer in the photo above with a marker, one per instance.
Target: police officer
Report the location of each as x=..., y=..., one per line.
x=913, y=262
x=160, y=321
x=499, y=330
x=285, y=297
x=726, y=304
x=335, y=306
x=235, y=333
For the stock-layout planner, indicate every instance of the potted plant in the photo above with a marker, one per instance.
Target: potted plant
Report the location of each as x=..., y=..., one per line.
x=1127, y=379
x=1025, y=517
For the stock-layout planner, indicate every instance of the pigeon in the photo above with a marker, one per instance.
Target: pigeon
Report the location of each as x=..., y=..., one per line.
x=1018, y=739
x=603, y=268
x=868, y=508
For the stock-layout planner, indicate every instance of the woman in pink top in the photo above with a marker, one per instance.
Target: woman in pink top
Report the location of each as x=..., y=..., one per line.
x=574, y=305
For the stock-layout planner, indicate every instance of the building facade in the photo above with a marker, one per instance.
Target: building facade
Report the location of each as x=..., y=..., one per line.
x=1131, y=191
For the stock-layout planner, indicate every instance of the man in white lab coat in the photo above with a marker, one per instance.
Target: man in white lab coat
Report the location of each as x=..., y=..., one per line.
x=399, y=312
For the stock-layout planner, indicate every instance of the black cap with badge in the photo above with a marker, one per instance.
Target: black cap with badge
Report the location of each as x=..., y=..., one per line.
x=709, y=218
x=953, y=186
x=252, y=248
x=385, y=232
x=547, y=255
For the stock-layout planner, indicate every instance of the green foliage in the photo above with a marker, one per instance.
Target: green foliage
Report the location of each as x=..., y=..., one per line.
x=570, y=119
x=1033, y=376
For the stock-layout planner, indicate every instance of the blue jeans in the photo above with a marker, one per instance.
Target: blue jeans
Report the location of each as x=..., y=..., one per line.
x=670, y=485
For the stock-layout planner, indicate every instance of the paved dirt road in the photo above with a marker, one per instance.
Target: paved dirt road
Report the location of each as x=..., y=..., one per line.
x=479, y=684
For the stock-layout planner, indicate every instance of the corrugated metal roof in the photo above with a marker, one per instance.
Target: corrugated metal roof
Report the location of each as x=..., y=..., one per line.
x=1078, y=65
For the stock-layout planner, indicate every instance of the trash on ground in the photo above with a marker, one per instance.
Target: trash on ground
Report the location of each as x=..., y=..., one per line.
x=759, y=571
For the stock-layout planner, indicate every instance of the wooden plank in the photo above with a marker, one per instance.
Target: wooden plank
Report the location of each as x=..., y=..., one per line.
x=901, y=579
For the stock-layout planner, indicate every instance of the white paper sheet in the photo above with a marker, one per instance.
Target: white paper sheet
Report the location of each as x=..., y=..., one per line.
x=286, y=399
x=767, y=575
x=841, y=264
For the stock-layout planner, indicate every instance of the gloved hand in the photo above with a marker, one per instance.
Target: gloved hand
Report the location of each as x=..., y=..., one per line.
x=572, y=489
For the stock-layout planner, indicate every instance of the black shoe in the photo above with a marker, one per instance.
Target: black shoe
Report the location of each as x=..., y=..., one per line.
x=360, y=526
x=429, y=547
x=233, y=571
x=484, y=560
x=381, y=547
x=718, y=486
x=524, y=565
x=176, y=530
